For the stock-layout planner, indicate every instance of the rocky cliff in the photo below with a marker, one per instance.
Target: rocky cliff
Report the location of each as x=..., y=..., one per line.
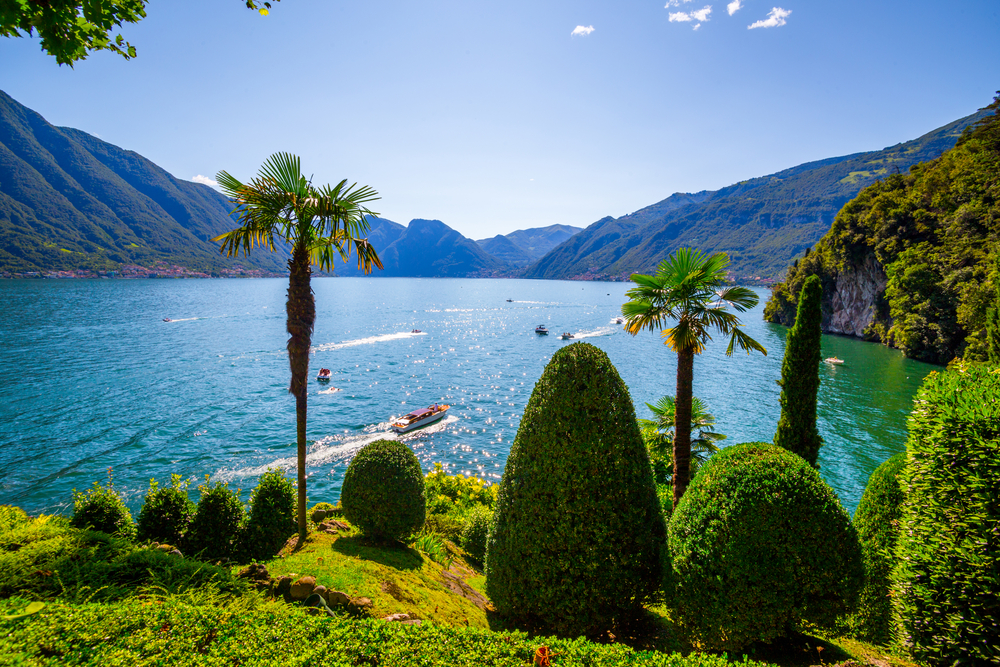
x=856, y=291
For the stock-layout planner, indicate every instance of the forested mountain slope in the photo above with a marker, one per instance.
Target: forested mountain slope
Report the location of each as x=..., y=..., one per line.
x=524, y=246
x=763, y=223
x=910, y=261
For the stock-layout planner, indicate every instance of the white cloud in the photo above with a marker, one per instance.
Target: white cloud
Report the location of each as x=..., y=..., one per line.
x=675, y=3
x=734, y=6
x=774, y=20
x=702, y=14
x=582, y=30
x=205, y=180
x=698, y=16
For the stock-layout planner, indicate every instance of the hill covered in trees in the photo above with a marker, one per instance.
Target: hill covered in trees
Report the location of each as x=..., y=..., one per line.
x=763, y=223
x=71, y=201
x=525, y=246
x=911, y=261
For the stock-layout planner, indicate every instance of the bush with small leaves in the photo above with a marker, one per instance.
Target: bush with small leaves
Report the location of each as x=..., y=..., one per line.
x=166, y=512
x=477, y=528
x=272, y=516
x=101, y=508
x=11, y=517
x=218, y=522
x=383, y=491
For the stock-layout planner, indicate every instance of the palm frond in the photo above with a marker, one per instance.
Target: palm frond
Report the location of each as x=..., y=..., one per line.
x=745, y=342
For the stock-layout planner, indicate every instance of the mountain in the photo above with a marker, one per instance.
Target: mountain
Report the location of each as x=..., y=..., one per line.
x=426, y=248
x=524, y=246
x=763, y=223
x=71, y=201
x=914, y=260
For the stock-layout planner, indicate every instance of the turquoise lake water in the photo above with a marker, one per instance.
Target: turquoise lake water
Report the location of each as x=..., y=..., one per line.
x=92, y=378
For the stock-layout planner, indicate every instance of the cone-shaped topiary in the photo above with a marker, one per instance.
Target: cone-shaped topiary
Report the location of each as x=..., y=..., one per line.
x=166, y=513
x=272, y=516
x=799, y=382
x=477, y=528
x=578, y=533
x=877, y=523
x=759, y=543
x=383, y=492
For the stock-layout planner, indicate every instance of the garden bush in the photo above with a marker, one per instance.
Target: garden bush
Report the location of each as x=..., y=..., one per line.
x=383, y=491
x=477, y=527
x=166, y=512
x=218, y=522
x=760, y=543
x=272, y=516
x=578, y=532
x=452, y=498
x=12, y=517
x=877, y=523
x=101, y=508
x=947, y=578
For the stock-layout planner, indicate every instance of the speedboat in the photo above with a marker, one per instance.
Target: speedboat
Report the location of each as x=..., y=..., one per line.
x=416, y=331
x=419, y=418
x=167, y=319
x=834, y=360
x=510, y=300
x=324, y=375
x=619, y=320
x=540, y=329
x=567, y=336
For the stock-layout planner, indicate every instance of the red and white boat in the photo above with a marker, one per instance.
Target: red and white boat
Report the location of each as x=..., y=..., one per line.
x=419, y=418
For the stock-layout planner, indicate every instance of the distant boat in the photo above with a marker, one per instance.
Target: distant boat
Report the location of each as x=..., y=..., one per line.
x=834, y=360
x=324, y=375
x=567, y=336
x=619, y=320
x=510, y=300
x=419, y=418
x=167, y=319
x=416, y=331
x=540, y=329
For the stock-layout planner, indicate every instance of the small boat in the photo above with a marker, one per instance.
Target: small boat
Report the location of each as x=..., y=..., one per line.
x=167, y=319
x=619, y=320
x=510, y=300
x=419, y=418
x=834, y=360
x=324, y=375
x=567, y=336
x=416, y=331
x=540, y=329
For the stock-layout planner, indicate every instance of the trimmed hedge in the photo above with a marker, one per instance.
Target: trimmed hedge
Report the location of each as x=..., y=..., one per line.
x=101, y=508
x=217, y=526
x=759, y=543
x=477, y=529
x=877, y=523
x=166, y=513
x=383, y=491
x=947, y=579
x=578, y=533
x=272, y=516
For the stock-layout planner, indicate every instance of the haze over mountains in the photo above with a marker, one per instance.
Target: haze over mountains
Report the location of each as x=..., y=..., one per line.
x=71, y=201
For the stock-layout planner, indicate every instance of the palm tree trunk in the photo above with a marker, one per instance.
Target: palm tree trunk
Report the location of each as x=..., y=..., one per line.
x=301, y=309
x=682, y=424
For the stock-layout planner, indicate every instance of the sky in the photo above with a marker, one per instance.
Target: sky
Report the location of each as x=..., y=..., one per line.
x=493, y=117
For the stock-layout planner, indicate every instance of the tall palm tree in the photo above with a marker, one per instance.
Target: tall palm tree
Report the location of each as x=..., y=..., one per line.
x=686, y=300
x=319, y=224
x=658, y=433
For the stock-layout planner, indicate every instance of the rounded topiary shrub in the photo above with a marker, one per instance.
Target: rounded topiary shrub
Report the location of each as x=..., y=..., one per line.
x=759, y=543
x=101, y=508
x=272, y=516
x=877, y=523
x=383, y=491
x=946, y=584
x=218, y=522
x=166, y=512
x=577, y=536
x=477, y=527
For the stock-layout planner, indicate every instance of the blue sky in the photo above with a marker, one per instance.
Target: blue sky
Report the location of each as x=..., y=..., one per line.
x=500, y=116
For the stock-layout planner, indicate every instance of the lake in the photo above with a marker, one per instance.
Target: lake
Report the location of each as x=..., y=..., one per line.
x=92, y=378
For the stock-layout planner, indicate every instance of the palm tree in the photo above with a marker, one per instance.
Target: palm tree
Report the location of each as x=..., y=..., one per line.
x=658, y=434
x=685, y=300
x=319, y=224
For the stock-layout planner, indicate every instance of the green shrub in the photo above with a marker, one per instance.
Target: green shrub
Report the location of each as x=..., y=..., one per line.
x=102, y=509
x=218, y=522
x=578, y=532
x=12, y=517
x=456, y=494
x=383, y=491
x=759, y=543
x=877, y=523
x=446, y=525
x=272, y=516
x=166, y=512
x=325, y=508
x=947, y=578
x=477, y=528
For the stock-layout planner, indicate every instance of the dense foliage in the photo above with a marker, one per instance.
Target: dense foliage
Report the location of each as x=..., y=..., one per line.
x=799, y=381
x=216, y=529
x=932, y=232
x=101, y=508
x=11, y=517
x=272, y=516
x=947, y=581
x=166, y=513
x=760, y=543
x=451, y=499
x=578, y=532
x=658, y=435
x=877, y=523
x=475, y=532
x=383, y=491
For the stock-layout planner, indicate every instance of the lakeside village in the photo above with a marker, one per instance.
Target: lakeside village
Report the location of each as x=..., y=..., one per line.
x=158, y=270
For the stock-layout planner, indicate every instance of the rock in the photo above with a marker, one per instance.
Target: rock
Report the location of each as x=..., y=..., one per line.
x=328, y=527
x=284, y=585
x=302, y=588
x=361, y=603
x=175, y=552
x=318, y=516
x=165, y=548
x=337, y=598
x=853, y=301
x=255, y=572
x=396, y=617
x=413, y=621
x=320, y=591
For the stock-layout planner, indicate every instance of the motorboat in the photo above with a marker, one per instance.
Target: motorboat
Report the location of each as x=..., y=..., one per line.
x=567, y=335
x=167, y=319
x=416, y=331
x=540, y=329
x=619, y=320
x=419, y=418
x=324, y=375
x=510, y=300
x=834, y=360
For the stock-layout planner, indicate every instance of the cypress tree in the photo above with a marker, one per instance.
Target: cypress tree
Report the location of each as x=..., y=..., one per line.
x=993, y=317
x=799, y=382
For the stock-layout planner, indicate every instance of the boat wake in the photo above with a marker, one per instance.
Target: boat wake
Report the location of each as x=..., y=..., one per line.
x=183, y=319
x=331, y=390
x=402, y=335
x=603, y=331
